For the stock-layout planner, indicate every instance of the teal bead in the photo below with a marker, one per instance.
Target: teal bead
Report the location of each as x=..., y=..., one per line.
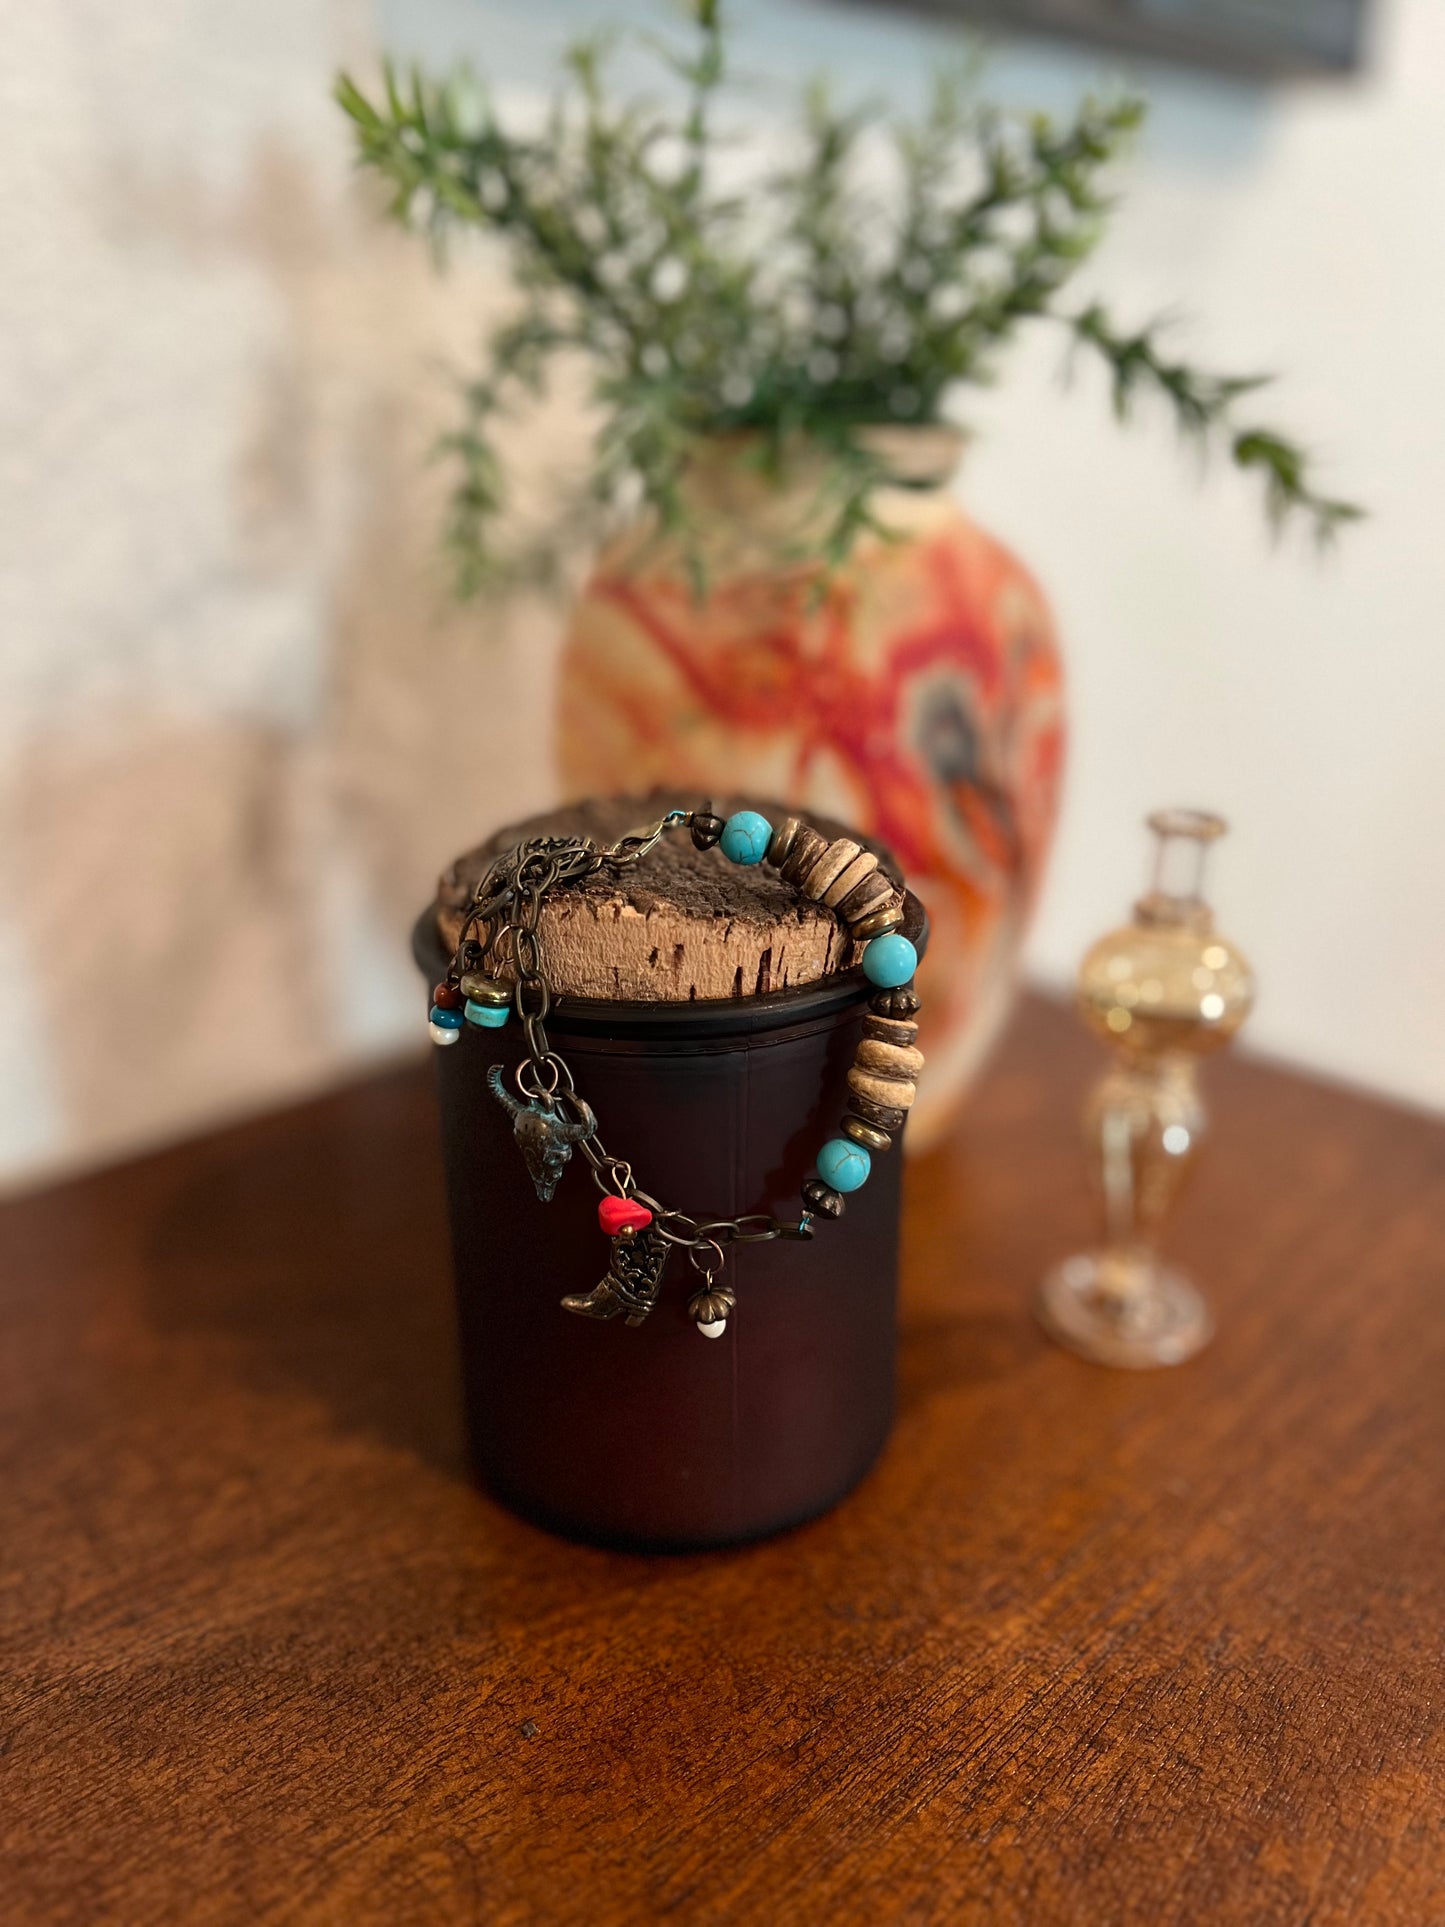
x=746, y=837
x=446, y=1019
x=844, y=1164
x=889, y=961
x=488, y=1016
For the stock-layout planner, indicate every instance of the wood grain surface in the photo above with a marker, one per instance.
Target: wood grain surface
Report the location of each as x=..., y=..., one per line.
x=1086, y=1647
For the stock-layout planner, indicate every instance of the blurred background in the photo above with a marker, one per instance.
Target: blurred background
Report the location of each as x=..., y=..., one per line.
x=244, y=725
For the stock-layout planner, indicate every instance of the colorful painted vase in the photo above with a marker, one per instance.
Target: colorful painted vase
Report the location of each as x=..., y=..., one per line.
x=915, y=692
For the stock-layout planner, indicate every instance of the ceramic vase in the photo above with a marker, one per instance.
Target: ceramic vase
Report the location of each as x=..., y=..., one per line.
x=914, y=691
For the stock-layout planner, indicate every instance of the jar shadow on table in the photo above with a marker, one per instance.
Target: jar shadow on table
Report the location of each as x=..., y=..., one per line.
x=313, y=1247
x=296, y=1246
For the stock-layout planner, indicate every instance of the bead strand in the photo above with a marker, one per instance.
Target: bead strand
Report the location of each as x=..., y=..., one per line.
x=882, y=1082
x=467, y=997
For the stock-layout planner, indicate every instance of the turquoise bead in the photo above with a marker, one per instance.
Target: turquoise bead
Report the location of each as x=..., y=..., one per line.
x=489, y=1016
x=746, y=837
x=446, y=1019
x=844, y=1164
x=889, y=961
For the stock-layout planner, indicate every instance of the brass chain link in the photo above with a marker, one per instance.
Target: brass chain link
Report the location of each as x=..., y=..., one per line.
x=507, y=905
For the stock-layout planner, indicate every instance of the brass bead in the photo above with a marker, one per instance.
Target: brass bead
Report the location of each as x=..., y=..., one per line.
x=822, y=1199
x=484, y=990
x=903, y=1002
x=707, y=828
x=890, y=1030
x=782, y=841
x=897, y=1093
x=889, y=1060
x=887, y=1117
x=711, y=1307
x=808, y=846
x=868, y=1135
x=831, y=865
x=863, y=865
x=878, y=923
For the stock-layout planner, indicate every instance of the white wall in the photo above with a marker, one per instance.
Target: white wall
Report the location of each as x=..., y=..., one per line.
x=228, y=667
x=225, y=657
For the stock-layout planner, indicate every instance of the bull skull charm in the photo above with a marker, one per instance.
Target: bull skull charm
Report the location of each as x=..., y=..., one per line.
x=544, y=1135
x=633, y=1281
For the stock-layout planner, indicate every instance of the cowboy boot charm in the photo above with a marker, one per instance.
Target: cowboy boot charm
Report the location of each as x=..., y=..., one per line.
x=634, y=1277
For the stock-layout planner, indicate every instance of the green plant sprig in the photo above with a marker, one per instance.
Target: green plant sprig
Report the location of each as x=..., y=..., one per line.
x=811, y=304
x=1203, y=406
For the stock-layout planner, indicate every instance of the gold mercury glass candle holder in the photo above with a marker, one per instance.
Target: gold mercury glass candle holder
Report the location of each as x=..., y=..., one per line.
x=1162, y=992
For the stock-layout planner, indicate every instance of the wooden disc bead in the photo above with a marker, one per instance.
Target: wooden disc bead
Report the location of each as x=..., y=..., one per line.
x=888, y=1117
x=879, y=922
x=830, y=866
x=822, y=1198
x=889, y=1060
x=868, y=1135
x=808, y=846
x=892, y=1092
x=863, y=865
x=890, y=1030
x=872, y=892
x=902, y=1002
x=782, y=841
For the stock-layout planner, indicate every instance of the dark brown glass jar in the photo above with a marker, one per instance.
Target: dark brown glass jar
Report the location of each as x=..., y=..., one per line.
x=656, y=1437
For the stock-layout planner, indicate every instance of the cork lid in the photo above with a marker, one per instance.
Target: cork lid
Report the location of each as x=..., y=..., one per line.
x=685, y=927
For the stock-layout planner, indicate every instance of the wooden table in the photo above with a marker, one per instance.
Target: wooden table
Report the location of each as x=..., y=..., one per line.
x=1087, y=1647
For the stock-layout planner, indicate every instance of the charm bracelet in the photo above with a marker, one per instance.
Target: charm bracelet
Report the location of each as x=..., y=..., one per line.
x=550, y=1119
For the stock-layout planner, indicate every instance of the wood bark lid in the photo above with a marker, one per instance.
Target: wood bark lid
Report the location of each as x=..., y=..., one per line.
x=686, y=925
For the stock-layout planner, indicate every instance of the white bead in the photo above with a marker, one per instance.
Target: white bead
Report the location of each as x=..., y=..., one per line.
x=714, y=1328
x=440, y=1034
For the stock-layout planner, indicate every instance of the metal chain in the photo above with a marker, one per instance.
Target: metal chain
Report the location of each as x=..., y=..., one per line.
x=507, y=905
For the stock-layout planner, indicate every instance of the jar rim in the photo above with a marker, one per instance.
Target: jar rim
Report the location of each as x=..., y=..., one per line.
x=698, y=1018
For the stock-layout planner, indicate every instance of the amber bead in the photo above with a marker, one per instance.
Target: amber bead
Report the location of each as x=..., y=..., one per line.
x=822, y=1199
x=447, y=997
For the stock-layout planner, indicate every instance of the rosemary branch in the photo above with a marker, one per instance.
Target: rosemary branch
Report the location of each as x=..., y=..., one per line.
x=808, y=303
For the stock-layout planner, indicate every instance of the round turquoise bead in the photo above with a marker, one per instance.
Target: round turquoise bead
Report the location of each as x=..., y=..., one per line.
x=746, y=837
x=446, y=1019
x=889, y=961
x=489, y=1016
x=844, y=1164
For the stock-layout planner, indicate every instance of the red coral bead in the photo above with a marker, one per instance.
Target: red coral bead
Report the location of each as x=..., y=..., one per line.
x=447, y=997
x=622, y=1214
